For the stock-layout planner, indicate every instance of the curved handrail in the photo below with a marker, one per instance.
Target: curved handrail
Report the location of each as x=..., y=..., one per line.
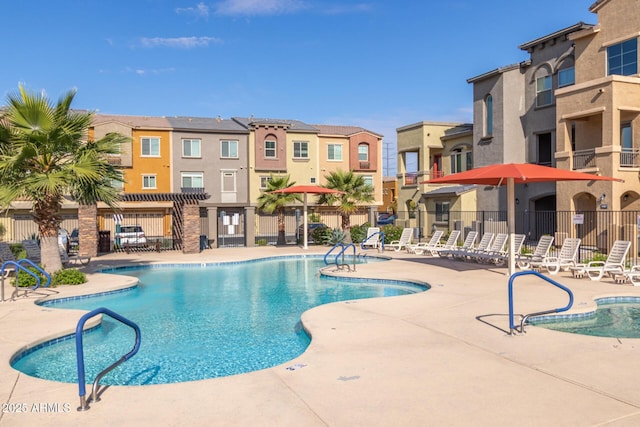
x=339, y=244
x=344, y=249
x=19, y=267
x=512, y=327
x=80, y=354
x=381, y=240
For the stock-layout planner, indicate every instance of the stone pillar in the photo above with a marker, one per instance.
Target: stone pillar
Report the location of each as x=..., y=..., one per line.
x=373, y=214
x=249, y=226
x=191, y=228
x=212, y=219
x=88, y=230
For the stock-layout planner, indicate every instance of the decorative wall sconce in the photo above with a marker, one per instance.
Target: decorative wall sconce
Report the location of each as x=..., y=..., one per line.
x=625, y=197
x=604, y=196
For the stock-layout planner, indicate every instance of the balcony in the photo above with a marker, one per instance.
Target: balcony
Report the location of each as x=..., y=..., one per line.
x=583, y=159
x=192, y=190
x=630, y=158
x=365, y=165
x=414, y=178
x=411, y=178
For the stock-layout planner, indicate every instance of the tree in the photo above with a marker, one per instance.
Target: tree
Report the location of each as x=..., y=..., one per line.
x=355, y=193
x=271, y=202
x=45, y=155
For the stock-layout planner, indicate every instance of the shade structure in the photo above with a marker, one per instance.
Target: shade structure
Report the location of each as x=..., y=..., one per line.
x=304, y=190
x=510, y=174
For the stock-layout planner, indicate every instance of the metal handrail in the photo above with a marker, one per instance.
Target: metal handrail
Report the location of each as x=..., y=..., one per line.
x=512, y=327
x=18, y=266
x=339, y=244
x=381, y=240
x=84, y=403
x=345, y=247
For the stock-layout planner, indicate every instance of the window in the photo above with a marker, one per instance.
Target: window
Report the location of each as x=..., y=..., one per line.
x=191, y=148
x=334, y=152
x=264, y=180
x=312, y=180
x=148, y=182
x=368, y=179
x=150, y=147
x=442, y=211
x=543, y=91
x=229, y=149
x=622, y=58
x=488, y=116
x=300, y=149
x=461, y=160
x=117, y=184
x=628, y=156
x=363, y=152
x=270, y=149
x=566, y=77
x=544, y=149
x=192, y=179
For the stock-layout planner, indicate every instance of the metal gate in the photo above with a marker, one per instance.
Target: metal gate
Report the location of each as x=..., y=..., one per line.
x=231, y=228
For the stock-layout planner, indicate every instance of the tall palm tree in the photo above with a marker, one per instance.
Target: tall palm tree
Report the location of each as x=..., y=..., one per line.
x=271, y=202
x=45, y=155
x=355, y=193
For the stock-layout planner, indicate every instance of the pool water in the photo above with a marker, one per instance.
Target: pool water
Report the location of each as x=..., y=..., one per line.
x=202, y=322
x=611, y=319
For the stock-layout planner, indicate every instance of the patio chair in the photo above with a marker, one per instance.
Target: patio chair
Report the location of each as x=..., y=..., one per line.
x=67, y=259
x=451, y=243
x=564, y=260
x=33, y=250
x=497, y=247
x=420, y=247
x=614, y=263
x=523, y=261
x=485, y=242
x=7, y=255
x=469, y=241
x=405, y=239
x=502, y=257
x=372, y=241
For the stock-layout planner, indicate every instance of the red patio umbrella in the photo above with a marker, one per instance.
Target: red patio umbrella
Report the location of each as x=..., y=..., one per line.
x=307, y=189
x=510, y=174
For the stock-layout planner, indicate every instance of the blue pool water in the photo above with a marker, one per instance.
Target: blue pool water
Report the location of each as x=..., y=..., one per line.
x=614, y=317
x=203, y=322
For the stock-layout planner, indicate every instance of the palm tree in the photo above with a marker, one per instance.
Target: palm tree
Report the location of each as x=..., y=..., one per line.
x=270, y=201
x=355, y=193
x=45, y=155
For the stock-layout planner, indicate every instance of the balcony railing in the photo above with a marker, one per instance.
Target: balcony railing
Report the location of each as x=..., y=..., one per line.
x=365, y=165
x=583, y=159
x=192, y=190
x=630, y=158
x=411, y=178
x=414, y=178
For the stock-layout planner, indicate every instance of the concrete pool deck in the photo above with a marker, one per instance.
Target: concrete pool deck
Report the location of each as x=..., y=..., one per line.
x=442, y=357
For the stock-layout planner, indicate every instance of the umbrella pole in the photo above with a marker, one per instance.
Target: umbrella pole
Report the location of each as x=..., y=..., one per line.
x=511, y=220
x=304, y=221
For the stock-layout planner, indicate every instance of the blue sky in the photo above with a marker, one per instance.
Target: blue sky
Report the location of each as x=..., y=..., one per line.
x=370, y=63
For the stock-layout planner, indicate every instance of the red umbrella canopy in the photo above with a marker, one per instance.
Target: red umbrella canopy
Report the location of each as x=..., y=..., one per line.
x=311, y=189
x=520, y=172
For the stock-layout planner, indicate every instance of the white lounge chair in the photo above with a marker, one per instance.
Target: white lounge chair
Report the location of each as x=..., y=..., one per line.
x=372, y=241
x=468, y=243
x=564, y=260
x=405, y=239
x=497, y=247
x=503, y=256
x=420, y=247
x=540, y=253
x=451, y=243
x=613, y=265
x=485, y=242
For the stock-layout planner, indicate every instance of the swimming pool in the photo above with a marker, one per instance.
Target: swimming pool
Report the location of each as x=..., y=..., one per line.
x=617, y=317
x=203, y=322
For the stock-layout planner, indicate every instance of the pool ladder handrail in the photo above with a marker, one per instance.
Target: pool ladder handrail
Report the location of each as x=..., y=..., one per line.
x=341, y=253
x=381, y=240
x=19, y=267
x=512, y=327
x=84, y=403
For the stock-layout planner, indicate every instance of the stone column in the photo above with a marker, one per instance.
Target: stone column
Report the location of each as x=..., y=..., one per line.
x=249, y=226
x=88, y=230
x=191, y=228
x=212, y=219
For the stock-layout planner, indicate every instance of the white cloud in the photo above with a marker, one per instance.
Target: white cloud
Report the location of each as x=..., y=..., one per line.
x=259, y=7
x=179, y=42
x=200, y=10
x=149, y=71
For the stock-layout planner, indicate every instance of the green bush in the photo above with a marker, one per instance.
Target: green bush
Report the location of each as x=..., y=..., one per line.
x=391, y=233
x=321, y=235
x=337, y=236
x=26, y=280
x=68, y=276
x=359, y=232
x=261, y=242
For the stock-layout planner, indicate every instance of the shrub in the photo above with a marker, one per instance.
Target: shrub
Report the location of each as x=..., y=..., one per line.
x=337, y=236
x=391, y=233
x=261, y=242
x=321, y=235
x=359, y=232
x=68, y=276
x=26, y=280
